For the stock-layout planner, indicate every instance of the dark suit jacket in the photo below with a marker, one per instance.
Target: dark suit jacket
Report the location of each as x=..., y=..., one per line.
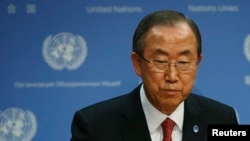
x=122, y=119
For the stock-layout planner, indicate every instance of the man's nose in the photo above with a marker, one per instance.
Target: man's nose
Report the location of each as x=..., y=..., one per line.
x=172, y=74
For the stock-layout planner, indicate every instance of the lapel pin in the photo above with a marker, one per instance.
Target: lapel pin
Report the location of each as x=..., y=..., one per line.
x=195, y=128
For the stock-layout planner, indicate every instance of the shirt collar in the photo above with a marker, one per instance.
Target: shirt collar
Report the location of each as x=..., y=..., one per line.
x=154, y=117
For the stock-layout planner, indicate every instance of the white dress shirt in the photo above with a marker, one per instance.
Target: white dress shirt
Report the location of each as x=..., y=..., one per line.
x=154, y=119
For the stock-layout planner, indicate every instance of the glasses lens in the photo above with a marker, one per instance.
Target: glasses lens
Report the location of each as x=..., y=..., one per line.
x=182, y=67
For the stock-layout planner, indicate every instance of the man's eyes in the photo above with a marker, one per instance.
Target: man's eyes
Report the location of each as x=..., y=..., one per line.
x=160, y=61
x=166, y=62
x=183, y=62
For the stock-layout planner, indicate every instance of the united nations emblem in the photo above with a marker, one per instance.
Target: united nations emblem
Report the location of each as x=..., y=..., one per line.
x=64, y=50
x=17, y=125
x=247, y=47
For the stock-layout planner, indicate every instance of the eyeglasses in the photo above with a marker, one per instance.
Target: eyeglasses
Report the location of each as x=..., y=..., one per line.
x=163, y=66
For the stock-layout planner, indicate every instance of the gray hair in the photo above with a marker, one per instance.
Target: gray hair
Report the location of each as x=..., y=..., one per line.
x=166, y=18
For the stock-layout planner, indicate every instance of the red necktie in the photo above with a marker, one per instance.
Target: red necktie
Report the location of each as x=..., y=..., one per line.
x=167, y=128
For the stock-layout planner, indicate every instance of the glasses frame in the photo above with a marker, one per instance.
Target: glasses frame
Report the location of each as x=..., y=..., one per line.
x=191, y=65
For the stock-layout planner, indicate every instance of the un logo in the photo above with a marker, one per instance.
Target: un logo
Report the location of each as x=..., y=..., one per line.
x=17, y=125
x=247, y=47
x=64, y=51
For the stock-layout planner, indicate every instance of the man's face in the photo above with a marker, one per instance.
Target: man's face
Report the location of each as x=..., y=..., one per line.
x=166, y=90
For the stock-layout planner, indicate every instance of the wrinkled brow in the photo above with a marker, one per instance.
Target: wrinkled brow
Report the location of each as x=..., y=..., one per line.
x=161, y=52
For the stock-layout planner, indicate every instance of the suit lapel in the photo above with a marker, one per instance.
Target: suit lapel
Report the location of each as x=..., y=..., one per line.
x=135, y=130
x=135, y=126
x=193, y=128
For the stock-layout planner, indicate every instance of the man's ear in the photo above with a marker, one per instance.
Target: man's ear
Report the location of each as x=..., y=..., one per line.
x=200, y=59
x=136, y=63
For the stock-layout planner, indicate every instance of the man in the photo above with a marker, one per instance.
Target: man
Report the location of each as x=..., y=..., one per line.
x=166, y=55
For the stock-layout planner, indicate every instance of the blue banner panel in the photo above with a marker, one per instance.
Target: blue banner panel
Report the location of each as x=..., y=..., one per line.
x=59, y=56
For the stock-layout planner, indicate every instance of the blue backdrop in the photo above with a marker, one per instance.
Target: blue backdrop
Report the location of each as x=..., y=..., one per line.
x=59, y=56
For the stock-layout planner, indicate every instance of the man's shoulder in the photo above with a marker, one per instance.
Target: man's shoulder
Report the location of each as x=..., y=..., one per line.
x=107, y=104
x=117, y=103
x=205, y=101
x=211, y=110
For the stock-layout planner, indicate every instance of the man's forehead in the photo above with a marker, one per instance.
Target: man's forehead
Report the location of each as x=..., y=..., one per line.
x=184, y=51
